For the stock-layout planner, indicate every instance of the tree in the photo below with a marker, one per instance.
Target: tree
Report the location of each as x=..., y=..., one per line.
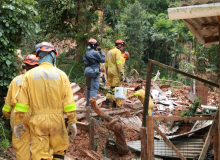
x=16, y=21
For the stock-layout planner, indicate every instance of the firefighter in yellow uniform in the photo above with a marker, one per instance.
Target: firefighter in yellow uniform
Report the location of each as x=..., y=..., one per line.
x=140, y=94
x=46, y=91
x=114, y=71
x=22, y=146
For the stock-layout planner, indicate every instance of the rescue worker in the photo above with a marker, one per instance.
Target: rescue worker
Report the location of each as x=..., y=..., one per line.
x=140, y=94
x=114, y=71
x=92, y=58
x=22, y=146
x=46, y=91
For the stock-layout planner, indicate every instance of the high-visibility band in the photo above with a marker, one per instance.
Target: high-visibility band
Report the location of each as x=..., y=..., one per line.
x=135, y=94
x=70, y=107
x=7, y=108
x=21, y=107
x=119, y=62
x=106, y=64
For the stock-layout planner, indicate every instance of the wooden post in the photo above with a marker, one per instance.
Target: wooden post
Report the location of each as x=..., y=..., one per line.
x=92, y=134
x=150, y=138
x=209, y=136
x=216, y=144
x=218, y=130
x=147, y=92
x=143, y=143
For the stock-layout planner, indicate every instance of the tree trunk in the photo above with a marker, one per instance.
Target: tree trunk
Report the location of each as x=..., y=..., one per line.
x=82, y=29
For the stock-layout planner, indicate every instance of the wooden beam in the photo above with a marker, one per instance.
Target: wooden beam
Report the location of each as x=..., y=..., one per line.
x=92, y=134
x=150, y=137
x=205, y=25
x=211, y=39
x=209, y=136
x=183, y=73
x=147, y=92
x=143, y=142
x=169, y=143
x=176, y=118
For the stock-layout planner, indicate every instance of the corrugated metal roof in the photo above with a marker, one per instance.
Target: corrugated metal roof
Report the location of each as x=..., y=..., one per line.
x=189, y=148
x=195, y=24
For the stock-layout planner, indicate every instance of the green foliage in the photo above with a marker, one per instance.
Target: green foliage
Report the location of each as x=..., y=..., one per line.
x=192, y=110
x=4, y=143
x=16, y=21
x=188, y=68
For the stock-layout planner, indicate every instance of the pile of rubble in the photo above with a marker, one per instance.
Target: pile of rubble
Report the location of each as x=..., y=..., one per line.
x=168, y=100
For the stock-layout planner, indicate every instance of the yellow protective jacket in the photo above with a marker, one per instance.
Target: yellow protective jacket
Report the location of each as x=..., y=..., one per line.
x=21, y=145
x=140, y=94
x=10, y=100
x=47, y=92
x=46, y=89
x=113, y=62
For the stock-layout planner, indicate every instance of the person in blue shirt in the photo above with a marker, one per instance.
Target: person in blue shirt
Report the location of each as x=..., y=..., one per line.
x=92, y=58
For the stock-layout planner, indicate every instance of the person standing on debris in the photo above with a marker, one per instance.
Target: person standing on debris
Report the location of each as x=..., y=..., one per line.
x=46, y=91
x=22, y=146
x=114, y=71
x=92, y=58
x=140, y=94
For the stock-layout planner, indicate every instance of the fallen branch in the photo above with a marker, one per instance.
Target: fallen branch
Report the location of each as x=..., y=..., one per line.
x=112, y=125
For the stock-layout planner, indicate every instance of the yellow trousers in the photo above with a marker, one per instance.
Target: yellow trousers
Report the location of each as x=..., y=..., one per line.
x=22, y=145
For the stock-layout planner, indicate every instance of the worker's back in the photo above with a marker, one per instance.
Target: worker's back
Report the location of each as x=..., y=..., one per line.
x=113, y=58
x=48, y=89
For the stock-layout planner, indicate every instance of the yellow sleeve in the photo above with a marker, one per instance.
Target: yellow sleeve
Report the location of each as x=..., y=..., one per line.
x=151, y=103
x=6, y=110
x=106, y=65
x=119, y=61
x=23, y=102
x=131, y=96
x=69, y=104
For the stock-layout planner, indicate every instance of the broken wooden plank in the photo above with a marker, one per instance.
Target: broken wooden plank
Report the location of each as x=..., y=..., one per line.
x=209, y=136
x=92, y=114
x=169, y=143
x=82, y=125
x=80, y=101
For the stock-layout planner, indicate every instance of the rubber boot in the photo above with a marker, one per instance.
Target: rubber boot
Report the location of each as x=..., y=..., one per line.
x=107, y=102
x=113, y=104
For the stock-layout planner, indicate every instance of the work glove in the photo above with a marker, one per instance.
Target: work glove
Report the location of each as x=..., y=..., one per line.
x=122, y=76
x=17, y=130
x=7, y=124
x=72, y=127
x=100, y=50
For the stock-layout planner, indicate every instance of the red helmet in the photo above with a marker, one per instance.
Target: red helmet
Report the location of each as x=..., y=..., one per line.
x=45, y=46
x=126, y=55
x=92, y=41
x=31, y=60
x=120, y=41
x=136, y=87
